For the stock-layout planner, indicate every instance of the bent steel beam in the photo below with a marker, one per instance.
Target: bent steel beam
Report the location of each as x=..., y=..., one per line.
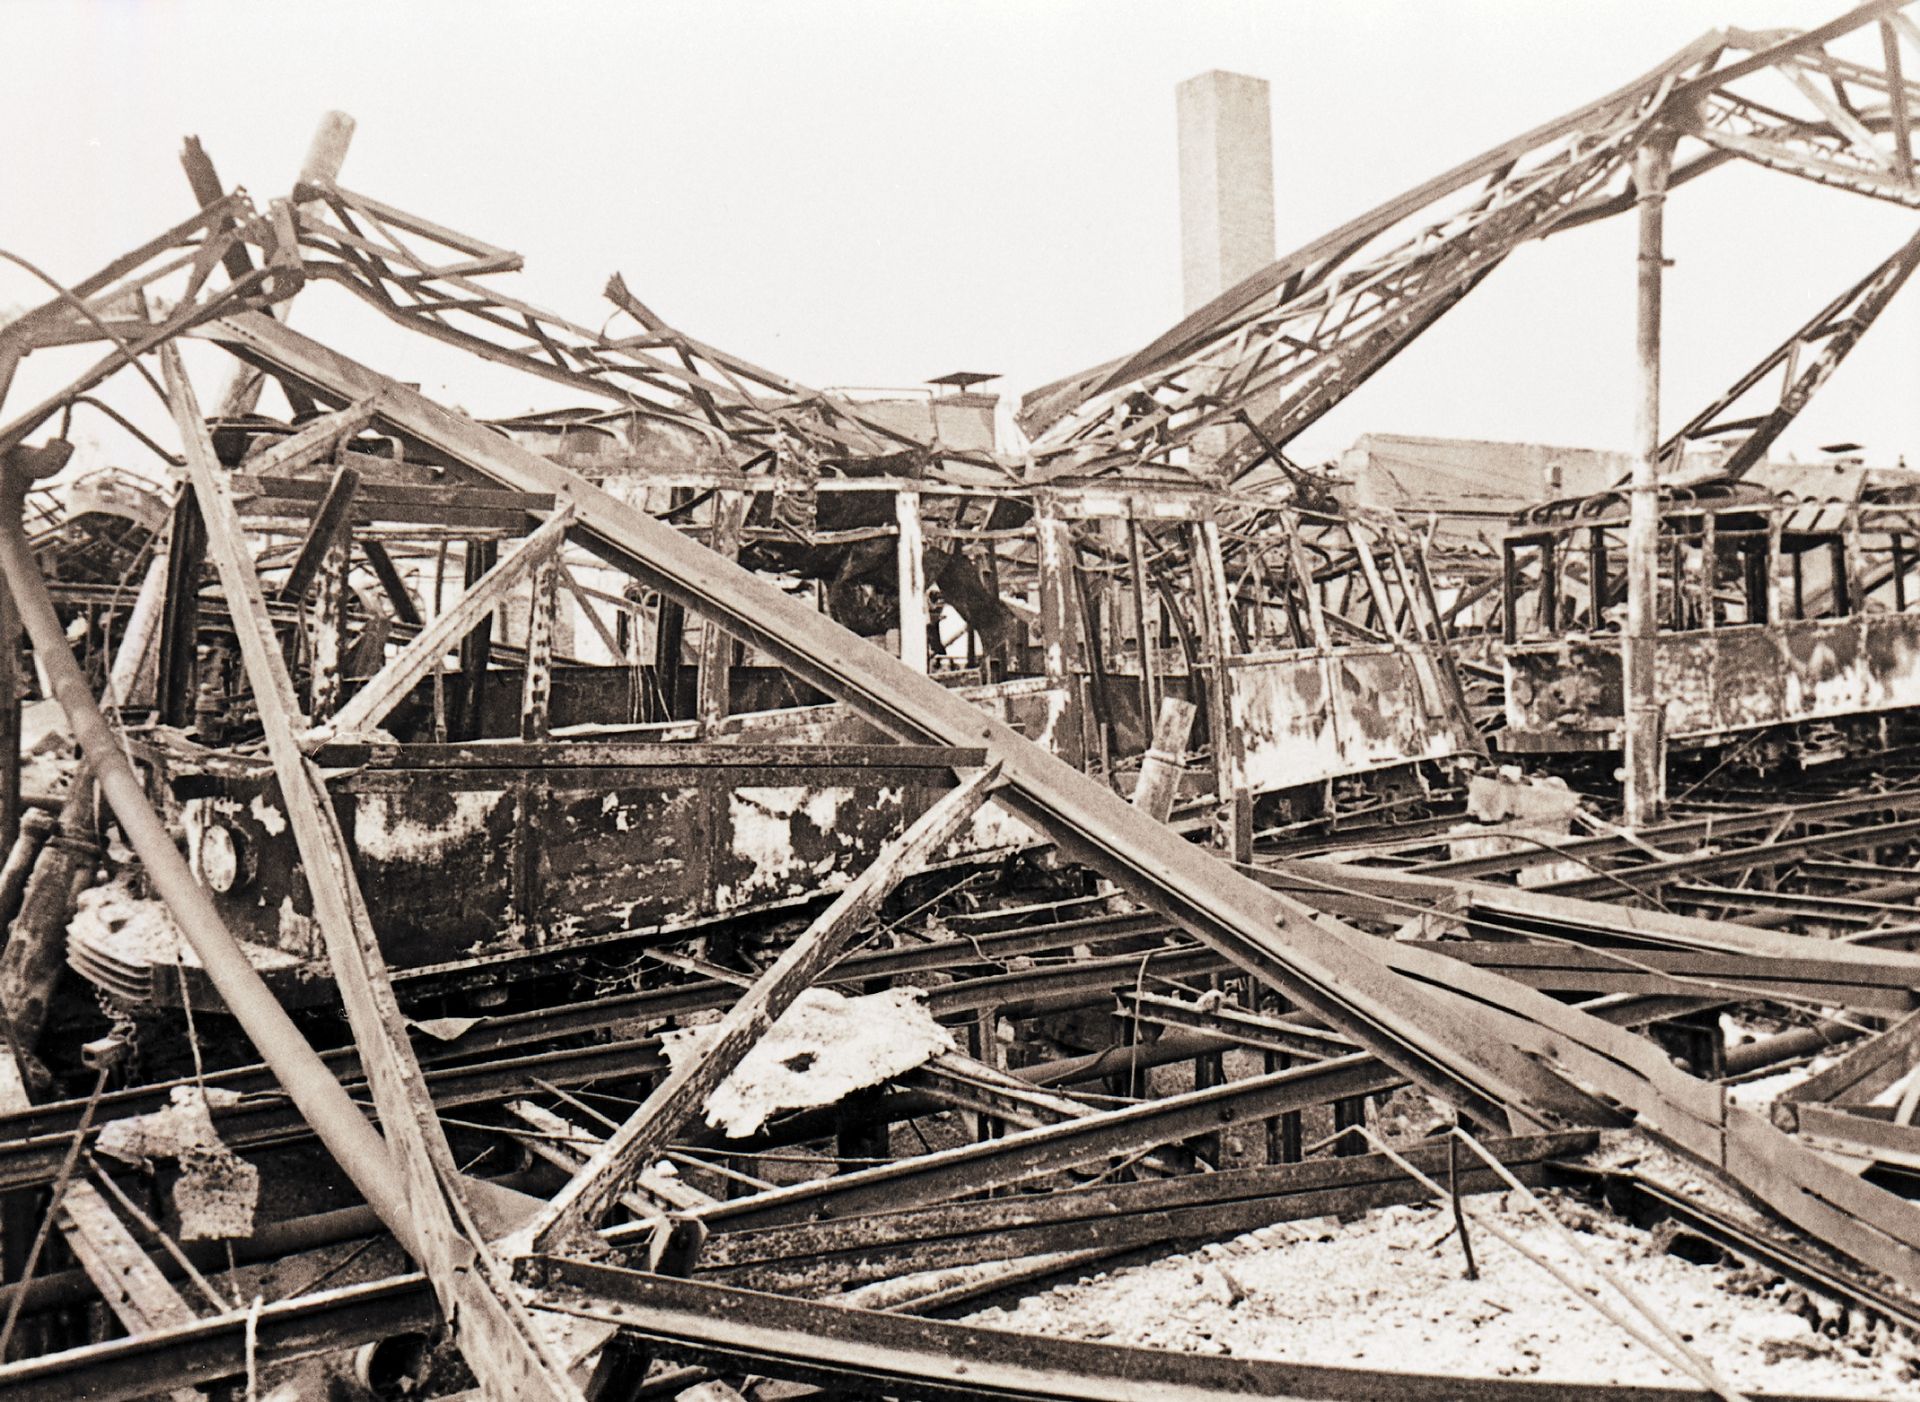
x=1328, y=968
x=496, y=1337
x=647, y=1131
x=1486, y=1043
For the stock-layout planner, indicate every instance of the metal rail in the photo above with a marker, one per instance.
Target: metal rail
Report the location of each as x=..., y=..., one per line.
x=874, y=1353
x=159, y=1360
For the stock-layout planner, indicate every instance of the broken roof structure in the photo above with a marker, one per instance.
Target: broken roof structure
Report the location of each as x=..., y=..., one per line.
x=275, y=696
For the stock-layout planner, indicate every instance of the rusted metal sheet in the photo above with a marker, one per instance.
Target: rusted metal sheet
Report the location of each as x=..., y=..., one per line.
x=462, y=861
x=1716, y=682
x=1320, y=715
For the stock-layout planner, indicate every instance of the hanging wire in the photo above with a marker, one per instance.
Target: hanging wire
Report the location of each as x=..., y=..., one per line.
x=73, y=299
x=1665, y=1343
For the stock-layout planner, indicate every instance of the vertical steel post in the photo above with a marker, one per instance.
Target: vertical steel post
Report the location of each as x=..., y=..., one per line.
x=1234, y=817
x=1054, y=539
x=713, y=685
x=1644, y=758
x=9, y=721
x=911, y=550
x=1143, y=620
x=536, y=686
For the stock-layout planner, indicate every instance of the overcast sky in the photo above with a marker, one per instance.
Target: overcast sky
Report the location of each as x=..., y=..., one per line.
x=875, y=193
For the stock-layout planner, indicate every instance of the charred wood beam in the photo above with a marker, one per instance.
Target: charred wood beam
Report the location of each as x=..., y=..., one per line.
x=476, y=644
x=314, y=440
x=404, y=607
x=331, y=519
x=180, y=625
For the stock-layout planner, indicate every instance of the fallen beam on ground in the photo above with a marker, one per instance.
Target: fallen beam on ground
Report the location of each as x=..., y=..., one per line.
x=1033, y=1153
x=1484, y=1043
x=807, y=1258
x=140, y=1296
x=496, y=1336
x=892, y=1354
x=186, y=1354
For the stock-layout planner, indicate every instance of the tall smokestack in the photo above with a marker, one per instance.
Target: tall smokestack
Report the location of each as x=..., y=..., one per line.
x=1226, y=182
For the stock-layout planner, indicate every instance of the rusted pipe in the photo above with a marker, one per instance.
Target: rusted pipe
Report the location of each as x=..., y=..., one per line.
x=328, y=150
x=1789, y=1045
x=36, y=949
x=36, y=826
x=321, y=1099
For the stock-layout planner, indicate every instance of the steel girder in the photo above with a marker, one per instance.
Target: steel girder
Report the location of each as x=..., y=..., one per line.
x=1489, y=1045
x=1290, y=342
x=1331, y=970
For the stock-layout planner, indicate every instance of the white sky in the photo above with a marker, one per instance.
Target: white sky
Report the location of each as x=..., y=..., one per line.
x=873, y=193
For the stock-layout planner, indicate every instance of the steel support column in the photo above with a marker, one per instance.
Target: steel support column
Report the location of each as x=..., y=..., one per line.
x=1644, y=757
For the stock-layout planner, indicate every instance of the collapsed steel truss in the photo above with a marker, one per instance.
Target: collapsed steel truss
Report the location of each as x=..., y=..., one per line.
x=1269, y=357
x=1468, y=1020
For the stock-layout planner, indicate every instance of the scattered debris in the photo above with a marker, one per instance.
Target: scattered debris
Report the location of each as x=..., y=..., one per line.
x=823, y=1048
x=434, y=765
x=217, y=1191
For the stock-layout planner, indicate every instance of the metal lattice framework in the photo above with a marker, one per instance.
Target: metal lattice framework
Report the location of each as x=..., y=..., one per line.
x=1272, y=355
x=429, y=278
